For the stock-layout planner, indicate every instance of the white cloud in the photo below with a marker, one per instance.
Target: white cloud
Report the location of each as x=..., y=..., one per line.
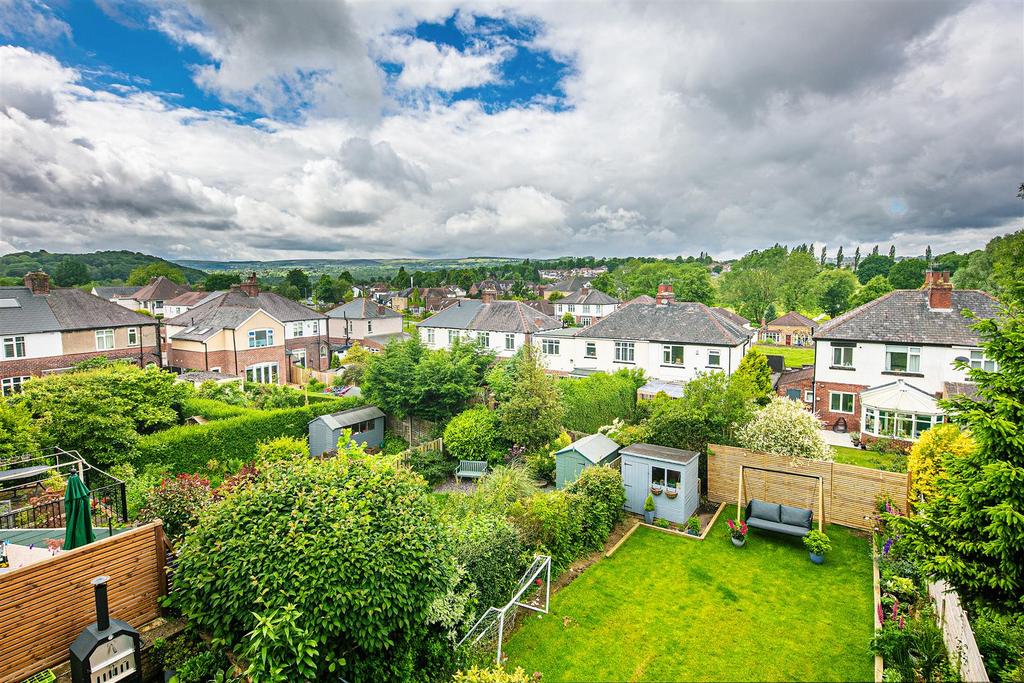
x=442, y=67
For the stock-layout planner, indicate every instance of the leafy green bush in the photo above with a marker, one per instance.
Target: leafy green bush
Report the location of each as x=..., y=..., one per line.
x=393, y=444
x=471, y=435
x=1000, y=639
x=493, y=674
x=489, y=548
x=541, y=462
x=190, y=448
x=347, y=555
x=503, y=486
x=597, y=400
x=137, y=484
x=604, y=498
x=177, y=502
x=432, y=466
x=554, y=524
x=211, y=408
x=281, y=448
x=19, y=435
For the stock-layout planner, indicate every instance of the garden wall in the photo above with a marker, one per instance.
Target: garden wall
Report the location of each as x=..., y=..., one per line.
x=47, y=604
x=850, y=492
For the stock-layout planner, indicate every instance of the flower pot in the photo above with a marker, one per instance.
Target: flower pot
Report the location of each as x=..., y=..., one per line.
x=816, y=559
x=671, y=493
x=656, y=490
x=649, y=516
x=738, y=542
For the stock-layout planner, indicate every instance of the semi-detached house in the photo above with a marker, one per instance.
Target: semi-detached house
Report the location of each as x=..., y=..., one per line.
x=669, y=341
x=363, y=320
x=501, y=326
x=44, y=330
x=586, y=305
x=880, y=368
x=246, y=332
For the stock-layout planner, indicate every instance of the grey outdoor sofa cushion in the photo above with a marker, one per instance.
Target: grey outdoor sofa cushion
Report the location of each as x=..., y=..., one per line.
x=781, y=519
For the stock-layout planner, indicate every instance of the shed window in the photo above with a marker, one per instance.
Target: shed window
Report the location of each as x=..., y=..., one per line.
x=665, y=476
x=362, y=427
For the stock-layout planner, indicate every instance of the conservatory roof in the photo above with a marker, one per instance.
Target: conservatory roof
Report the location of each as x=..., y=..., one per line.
x=902, y=397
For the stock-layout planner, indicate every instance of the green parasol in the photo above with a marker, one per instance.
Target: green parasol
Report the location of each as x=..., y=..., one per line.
x=77, y=517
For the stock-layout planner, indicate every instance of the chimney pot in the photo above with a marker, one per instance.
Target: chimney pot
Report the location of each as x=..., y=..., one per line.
x=38, y=282
x=940, y=291
x=251, y=286
x=665, y=295
x=488, y=295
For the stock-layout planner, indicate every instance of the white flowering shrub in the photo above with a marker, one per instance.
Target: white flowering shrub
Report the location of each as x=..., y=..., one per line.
x=784, y=427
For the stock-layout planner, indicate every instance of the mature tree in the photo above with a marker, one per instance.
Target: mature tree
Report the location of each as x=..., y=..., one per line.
x=529, y=411
x=785, y=427
x=750, y=291
x=216, y=282
x=950, y=262
x=400, y=279
x=143, y=274
x=387, y=382
x=835, y=288
x=873, y=265
x=690, y=282
x=568, y=320
x=908, y=273
x=288, y=291
x=839, y=257
x=445, y=381
x=754, y=367
x=928, y=254
x=71, y=272
x=19, y=435
x=971, y=531
x=328, y=290
x=856, y=258
x=976, y=272
x=795, y=278
x=824, y=255
x=874, y=288
x=297, y=278
x=355, y=361
x=874, y=252
x=473, y=435
x=892, y=252
x=353, y=567
x=1008, y=266
x=929, y=458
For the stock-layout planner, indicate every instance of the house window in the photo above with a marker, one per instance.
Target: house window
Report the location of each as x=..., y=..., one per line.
x=260, y=338
x=890, y=423
x=979, y=362
x=104, y=340
x=842, y=356
x=664, y=476
x=316, y=327
x=510, y=342
x=808, y=397
x=264, y=373
x=572, y=308
x=586, y=320
x=430, y=335
x=586, y=308
x=840, y=402
x=770, y=336
x=714, y=359
x=369, y=327
x=453, y=336
x=672, y=354
x=903, y=358
x=297, y=329
x=133, y=336
x=14, y=347
x=591, y=350
x=483, y=339
x=323, y=352
x=549, y=347
x=12, y=385
x=793, y=394
x=624, y=352
x=299, y=357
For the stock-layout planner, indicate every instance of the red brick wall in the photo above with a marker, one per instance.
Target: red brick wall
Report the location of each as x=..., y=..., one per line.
x=828, y=418
x=312, y=346
x=36, y=366
x=802, y=381
x=225, y=360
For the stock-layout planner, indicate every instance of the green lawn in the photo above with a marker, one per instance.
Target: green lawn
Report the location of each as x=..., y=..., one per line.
x=667, y=608
x=795, y=356
x=868, y=458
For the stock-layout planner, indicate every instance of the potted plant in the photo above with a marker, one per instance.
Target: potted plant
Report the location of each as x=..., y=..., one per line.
x=671, y=492
x=855, y=438
x=693, y=525
x=649, y=509
x=738, y=532
x=656, y=489
x=817, y=545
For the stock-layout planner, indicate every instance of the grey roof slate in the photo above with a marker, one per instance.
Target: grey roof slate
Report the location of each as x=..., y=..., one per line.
x=497, y=316
x=793, y=319
x=903, y=316
x=570, y=284
x=594, y=447
x=733, y=316
x=160, y=289
x=362, y=308
x=588, y=296
x=347, y=418
x=232, y=309
x=109, y=293
x=63, y=310
x=684, y=322
x=648, y=450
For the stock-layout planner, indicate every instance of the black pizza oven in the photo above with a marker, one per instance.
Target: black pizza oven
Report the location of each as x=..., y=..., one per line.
x=107, y=651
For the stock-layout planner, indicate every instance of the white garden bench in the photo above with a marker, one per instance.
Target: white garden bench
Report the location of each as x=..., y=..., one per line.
x=471, y=469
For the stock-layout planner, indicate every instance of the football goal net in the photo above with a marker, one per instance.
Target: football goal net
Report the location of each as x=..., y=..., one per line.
x=532, y=593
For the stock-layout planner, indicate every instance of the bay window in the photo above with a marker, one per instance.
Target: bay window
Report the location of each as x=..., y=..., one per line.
x=898, y=425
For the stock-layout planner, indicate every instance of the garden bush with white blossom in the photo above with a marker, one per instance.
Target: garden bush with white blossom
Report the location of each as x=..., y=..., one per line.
x=784, y=427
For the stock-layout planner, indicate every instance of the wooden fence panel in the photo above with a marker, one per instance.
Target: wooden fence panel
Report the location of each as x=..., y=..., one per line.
x=849, y=492
x=957, y=632
x=44, y=606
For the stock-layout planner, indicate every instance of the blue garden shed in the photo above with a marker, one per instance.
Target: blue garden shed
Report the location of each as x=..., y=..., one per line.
x=670, y=474
x=366, y=423
x=596, y=449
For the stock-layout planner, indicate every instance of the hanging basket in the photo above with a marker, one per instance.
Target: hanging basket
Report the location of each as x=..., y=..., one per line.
x=671, y=493
x=656, y=490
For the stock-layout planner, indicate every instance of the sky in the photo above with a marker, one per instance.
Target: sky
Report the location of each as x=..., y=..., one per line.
x=258, y=129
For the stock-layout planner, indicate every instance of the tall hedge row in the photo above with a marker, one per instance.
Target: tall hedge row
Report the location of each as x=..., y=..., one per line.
x=190, y=447
x=592, y=402
x=211, y=408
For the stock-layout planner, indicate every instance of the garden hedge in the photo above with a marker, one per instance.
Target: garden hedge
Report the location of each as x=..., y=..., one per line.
x=592, y=402
x=189, y=448
x=211, y=408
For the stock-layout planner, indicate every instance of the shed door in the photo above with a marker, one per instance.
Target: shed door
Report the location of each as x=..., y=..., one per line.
x=634, y=479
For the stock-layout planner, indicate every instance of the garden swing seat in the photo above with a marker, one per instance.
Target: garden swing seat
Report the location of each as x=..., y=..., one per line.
x=782, y=519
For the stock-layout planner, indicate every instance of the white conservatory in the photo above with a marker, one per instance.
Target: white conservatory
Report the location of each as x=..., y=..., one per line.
x=898, y=411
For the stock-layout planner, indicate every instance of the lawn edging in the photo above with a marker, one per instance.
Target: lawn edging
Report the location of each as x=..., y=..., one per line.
x=676, y=532
x=876, y=582
x=622, y=540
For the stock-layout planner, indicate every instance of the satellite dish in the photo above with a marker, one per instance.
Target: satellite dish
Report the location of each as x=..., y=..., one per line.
x=963, y=359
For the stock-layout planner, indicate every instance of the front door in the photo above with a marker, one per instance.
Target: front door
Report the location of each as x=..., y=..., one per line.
x=789, y=340
x=634, y=478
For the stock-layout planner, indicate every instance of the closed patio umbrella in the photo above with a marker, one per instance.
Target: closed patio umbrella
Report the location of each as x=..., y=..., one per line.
x=77, y=517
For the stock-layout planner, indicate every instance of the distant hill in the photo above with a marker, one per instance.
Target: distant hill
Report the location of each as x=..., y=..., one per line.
x=361, y=269
x=104, y=266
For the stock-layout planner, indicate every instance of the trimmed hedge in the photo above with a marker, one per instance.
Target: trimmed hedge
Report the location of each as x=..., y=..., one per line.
x=189, y=448
x=592, y=402
x=211, y=408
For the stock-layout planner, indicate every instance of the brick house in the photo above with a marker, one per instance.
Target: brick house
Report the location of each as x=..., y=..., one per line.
x=880, y=367
x=792, y=329
x=247, y=332
x=362, y=320
x=798, y=385
x=44, y=330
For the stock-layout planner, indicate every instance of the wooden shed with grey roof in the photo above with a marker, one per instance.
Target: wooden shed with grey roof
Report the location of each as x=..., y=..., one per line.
x=366, y=423
x=595, y=449
x=670, y=475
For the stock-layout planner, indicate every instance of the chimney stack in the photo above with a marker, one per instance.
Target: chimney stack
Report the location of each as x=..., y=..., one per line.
x=38, y=282
x=940, y=290
x=665, y=295
x=488, y=295
x=251, y=286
